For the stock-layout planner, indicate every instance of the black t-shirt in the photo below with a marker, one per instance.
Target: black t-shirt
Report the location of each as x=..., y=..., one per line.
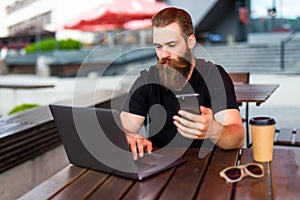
x=147, y=96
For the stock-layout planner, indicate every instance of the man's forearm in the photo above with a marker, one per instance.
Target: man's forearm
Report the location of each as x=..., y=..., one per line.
x=227, y=136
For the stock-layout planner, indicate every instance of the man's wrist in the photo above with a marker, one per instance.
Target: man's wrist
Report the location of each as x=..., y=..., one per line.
x=214, y=131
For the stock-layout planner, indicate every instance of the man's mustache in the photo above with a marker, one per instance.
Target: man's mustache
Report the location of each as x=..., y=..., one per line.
x=175, y=63
x=163, y=61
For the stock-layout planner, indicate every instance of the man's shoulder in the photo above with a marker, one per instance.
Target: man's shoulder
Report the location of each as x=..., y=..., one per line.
x=205, y=66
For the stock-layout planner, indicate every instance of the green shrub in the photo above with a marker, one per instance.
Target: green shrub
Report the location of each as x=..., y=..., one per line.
x=51, y=44
x=22, y=107
x=69, y=44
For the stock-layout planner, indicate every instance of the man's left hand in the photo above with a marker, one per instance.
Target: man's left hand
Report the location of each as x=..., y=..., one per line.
x=192, y=125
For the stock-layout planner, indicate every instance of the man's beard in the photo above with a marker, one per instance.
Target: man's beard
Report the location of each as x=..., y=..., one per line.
x=174, y=76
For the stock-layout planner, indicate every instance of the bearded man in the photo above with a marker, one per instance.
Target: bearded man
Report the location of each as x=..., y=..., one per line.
x=178, y=72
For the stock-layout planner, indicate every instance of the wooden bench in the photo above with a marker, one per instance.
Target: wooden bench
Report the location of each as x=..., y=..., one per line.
x=25, y=135
x=30, y=146
x=287, y=137
x=21, y=141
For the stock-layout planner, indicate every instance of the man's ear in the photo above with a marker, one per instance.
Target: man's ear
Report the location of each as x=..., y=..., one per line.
x=191, y=41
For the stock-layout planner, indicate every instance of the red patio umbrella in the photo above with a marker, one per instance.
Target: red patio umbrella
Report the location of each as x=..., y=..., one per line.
x=115, y=14
x=137, y=24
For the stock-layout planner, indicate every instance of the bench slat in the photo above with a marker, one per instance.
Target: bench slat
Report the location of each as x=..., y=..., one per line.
x=297, y=138
x=26, y=133
x=32, y=153
x=31, y=142
x=285, y=136
x=19, y=147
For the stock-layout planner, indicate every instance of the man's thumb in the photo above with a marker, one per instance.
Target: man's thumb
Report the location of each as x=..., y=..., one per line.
x=205, y=110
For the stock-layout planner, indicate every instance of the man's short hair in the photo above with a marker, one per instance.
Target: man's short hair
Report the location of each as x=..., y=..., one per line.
x=172, y=14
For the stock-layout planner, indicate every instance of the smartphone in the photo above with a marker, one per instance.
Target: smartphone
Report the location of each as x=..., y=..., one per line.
x=188, y=102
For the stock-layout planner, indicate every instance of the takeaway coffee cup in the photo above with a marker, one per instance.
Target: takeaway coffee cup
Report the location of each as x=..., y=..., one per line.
x=262, y=132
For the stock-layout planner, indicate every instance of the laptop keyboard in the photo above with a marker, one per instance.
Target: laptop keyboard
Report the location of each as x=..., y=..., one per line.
x=146, y=162
x=144, y=166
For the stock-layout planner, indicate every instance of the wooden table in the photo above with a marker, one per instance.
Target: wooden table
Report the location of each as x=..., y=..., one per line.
x=257, y=93
x=194, y=179
x=253, y=93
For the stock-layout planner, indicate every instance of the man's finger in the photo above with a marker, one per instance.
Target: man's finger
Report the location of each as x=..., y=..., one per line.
x=133, y=150
x=148, y=146
x=140, y=147
x=205, y=111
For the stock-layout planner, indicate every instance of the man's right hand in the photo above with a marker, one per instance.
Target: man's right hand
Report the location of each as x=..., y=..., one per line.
x=137, y=144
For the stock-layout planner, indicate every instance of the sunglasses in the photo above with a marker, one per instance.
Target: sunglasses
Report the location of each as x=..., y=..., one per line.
x=236, y=173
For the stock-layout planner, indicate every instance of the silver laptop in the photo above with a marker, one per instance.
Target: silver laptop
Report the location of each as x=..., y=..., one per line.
x=93, y=138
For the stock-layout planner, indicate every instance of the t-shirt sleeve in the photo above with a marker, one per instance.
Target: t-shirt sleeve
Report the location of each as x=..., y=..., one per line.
x=137, y=100
x=221, y=89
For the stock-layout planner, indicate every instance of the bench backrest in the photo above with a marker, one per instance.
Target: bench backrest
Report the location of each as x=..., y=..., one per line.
x=239, y=77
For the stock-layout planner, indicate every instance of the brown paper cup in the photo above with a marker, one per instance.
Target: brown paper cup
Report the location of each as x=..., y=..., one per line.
x=262, y=132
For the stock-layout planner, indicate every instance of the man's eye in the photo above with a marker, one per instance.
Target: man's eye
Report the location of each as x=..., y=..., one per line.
x=172, y=45
x=158, y=46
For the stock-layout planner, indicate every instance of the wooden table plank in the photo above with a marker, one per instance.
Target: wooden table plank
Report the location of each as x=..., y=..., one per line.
x=151, y=187
x=114, y=188
x=83, y=186
x=187, y=175
x=287, y=173
x=212, y=181
x=55, y=183
x=252, y=188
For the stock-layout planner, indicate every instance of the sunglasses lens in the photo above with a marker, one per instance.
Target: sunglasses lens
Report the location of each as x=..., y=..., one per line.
x=254, y=169
x=234, y=173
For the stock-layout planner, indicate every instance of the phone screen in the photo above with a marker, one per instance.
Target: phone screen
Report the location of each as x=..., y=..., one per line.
x=189, y=102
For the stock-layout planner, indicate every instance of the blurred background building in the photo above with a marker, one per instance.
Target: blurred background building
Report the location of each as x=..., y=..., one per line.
x=24, y=21
x=248, y=34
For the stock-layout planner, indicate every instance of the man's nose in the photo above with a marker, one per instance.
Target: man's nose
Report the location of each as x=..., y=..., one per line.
x=166, y=53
